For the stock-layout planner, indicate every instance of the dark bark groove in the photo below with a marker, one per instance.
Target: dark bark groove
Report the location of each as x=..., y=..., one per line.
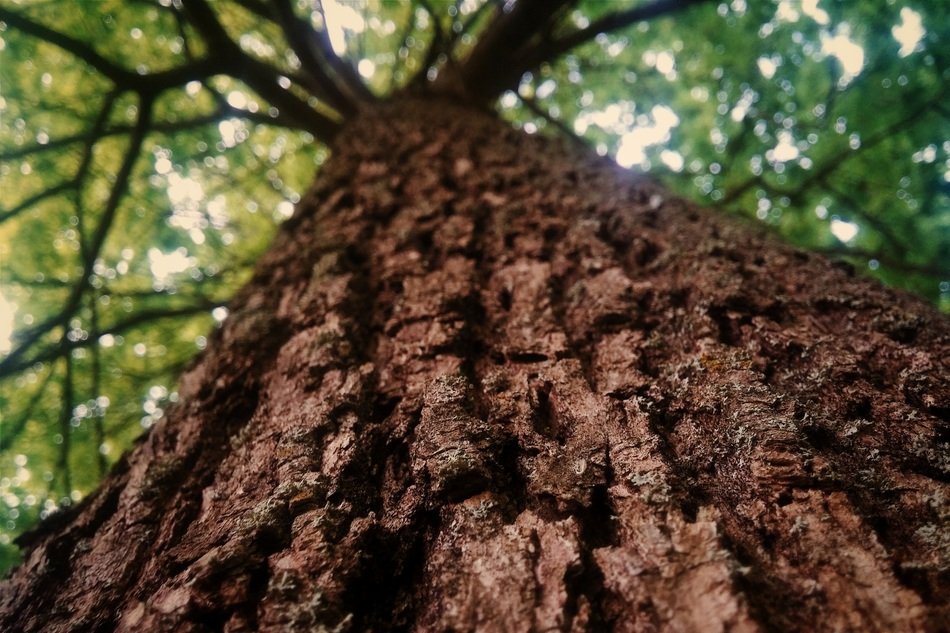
x=484, y=381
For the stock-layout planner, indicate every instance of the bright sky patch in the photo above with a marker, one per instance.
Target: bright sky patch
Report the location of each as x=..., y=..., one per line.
x=341, y=17
x=811, y=9
x=909, y=32
x=166, y=265
x=633, y=144
x=672, y=159
x=844, y=231
x=366, y=68
x=785, y=150
x=7, y=312
x=767, y=67
x=849, y=54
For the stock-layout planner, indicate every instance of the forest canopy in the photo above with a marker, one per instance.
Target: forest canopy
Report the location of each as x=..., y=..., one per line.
x=144, y=168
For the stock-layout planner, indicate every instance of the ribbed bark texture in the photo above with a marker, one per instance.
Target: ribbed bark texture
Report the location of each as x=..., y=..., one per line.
x=486, y=382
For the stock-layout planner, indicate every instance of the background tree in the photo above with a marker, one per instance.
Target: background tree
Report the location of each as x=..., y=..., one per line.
x=794, y=112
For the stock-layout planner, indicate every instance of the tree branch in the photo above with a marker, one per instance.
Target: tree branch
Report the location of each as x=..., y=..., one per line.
x=14, y=430
x=64, y=346
x=257, y=7
x=608, y=24
x=303, y=40
x=858, y=210
x=509, y=48
x=491, y=67
x=832, y=164
x=436, y=47
x=149, y=84
x=76, y=181
x=98, y=423
x=165, y=127
x=533, y=105
x=338, y=65
x=113, y=71
x=258, y=75
x=36, y=198
x=933, y=270
x=65, y=427
x=31, y=336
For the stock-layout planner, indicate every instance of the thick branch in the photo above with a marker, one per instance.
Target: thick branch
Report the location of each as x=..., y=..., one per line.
x=512, y=45
x=165, y=127
x=149, y=84
x=437, y=45
x=490, y=68
x=258, y=75
x=108, y=68
x=303, y=40
x=341, y=67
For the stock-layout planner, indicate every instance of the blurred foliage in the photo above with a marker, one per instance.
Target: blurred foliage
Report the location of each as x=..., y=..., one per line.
x=826, y=120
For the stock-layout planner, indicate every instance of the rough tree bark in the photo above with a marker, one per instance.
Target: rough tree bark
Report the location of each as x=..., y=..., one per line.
x=484, y=381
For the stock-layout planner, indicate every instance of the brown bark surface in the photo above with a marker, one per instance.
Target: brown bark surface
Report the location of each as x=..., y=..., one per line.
x=486, y=382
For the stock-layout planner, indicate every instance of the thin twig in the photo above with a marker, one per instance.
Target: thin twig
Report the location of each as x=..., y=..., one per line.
x=932, y=270
x=832, y=164
x=64, y=345
x=13, y=432
x=98, y=423
x=436, y=47
x=532, y=104
x=612, y=22
x=65, y=428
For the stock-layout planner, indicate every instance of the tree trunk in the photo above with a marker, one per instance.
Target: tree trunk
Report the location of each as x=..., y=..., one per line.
x=484, y=381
